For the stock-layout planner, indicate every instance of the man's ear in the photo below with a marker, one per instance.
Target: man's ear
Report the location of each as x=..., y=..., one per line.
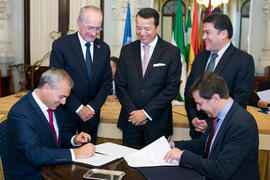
x=216, y=97
x=46, y=86
x=225, y=34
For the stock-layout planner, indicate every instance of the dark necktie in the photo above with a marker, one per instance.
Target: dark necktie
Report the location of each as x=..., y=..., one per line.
x=213, y=129
x=211, y=64
x=51, y=124
x=88, y=59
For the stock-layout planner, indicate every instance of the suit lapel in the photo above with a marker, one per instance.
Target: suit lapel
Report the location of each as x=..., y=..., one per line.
x=155, y=57
x=96, y=58
x=220, y=133
x=77, y=49
x=224, y=59
x=136, y=53
x=41, y=116
x=204, y=61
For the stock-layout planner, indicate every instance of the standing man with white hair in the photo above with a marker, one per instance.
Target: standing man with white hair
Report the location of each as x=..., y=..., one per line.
x=87, y=60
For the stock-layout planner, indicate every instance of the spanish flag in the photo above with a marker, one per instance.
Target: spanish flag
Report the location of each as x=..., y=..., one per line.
x=194, y=37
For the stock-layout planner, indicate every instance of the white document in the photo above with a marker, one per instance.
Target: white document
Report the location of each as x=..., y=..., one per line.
x=264, y=95
x=114, y=150
x=96, y=160
x=151, y=155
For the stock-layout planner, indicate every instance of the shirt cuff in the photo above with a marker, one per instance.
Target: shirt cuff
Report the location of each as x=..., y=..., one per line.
x=147, y=115
x=72, y=155
x=79, y=108
x=90, y=107
x=173, y=145
x=72, y=142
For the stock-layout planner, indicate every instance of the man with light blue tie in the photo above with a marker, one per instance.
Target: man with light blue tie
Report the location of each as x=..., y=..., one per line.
x=229, y=147
x=87, y=60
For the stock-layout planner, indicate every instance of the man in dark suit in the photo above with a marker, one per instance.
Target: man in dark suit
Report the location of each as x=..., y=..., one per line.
x=35, y=136
x=229, y=148
x=256, y=101
x=112, y=95
x=234, y=65
x=87, y=60
x=147, y=79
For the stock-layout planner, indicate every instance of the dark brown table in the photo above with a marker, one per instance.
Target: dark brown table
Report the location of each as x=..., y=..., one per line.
x=75, y=171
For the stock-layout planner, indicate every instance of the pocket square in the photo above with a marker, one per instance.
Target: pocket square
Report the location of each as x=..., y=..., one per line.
x=159, y=64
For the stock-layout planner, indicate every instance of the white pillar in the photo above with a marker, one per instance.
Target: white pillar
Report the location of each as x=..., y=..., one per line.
x=264, y=59
x=5, y=44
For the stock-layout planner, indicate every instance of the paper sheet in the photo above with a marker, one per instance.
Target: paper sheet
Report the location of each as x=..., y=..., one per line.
x=151, y=155
x=96, y=160
x=114, y=150
x=264, y=95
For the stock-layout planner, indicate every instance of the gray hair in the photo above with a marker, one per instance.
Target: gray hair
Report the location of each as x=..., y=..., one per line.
x=53, y=77
x=83, y=9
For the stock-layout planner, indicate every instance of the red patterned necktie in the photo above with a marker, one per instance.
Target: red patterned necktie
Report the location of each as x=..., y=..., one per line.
x=51, y=124
x=213, y=129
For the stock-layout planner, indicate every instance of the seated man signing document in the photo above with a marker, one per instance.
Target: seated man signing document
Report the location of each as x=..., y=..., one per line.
x=228, y=150
x=34, y=129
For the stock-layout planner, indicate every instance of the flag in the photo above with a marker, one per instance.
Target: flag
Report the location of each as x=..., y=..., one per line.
x=188, y=36
x=179, y=41
x=209, y=8
x=127, y=34
x=194, y=38
x=200, y=40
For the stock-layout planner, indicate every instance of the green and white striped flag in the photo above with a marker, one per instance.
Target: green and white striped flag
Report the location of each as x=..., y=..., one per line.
x=179, y=41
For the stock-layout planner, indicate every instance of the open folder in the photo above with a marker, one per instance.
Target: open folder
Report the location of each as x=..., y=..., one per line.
x=105, y=153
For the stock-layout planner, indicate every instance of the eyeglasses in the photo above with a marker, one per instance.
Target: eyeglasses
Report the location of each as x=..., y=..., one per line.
x=91, y=28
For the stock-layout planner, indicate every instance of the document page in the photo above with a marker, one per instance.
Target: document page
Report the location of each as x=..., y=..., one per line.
x=96, y=160
x=151, y=155
x=114, y=150
x=264, y=95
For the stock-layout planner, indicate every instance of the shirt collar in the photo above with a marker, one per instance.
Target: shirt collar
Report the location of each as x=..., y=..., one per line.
x=221, y=51
x=222, y=114
x=82, y=41
x=152, y=44
x=42, y=106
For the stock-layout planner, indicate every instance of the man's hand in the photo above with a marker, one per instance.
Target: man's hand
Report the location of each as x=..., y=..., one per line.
x=262, y=104
x=111, y=98
x=174, y=154
x=82, y=138
x=84, y=151
x=86, y=113
x=200, y=125
x=137, y=118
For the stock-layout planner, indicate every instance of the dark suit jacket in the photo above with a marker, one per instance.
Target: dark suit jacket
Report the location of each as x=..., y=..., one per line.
x=235, y=67
x=67, y=55
x=153, y=92
x=234, y=153
x=31, y=141
x=264, y=85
